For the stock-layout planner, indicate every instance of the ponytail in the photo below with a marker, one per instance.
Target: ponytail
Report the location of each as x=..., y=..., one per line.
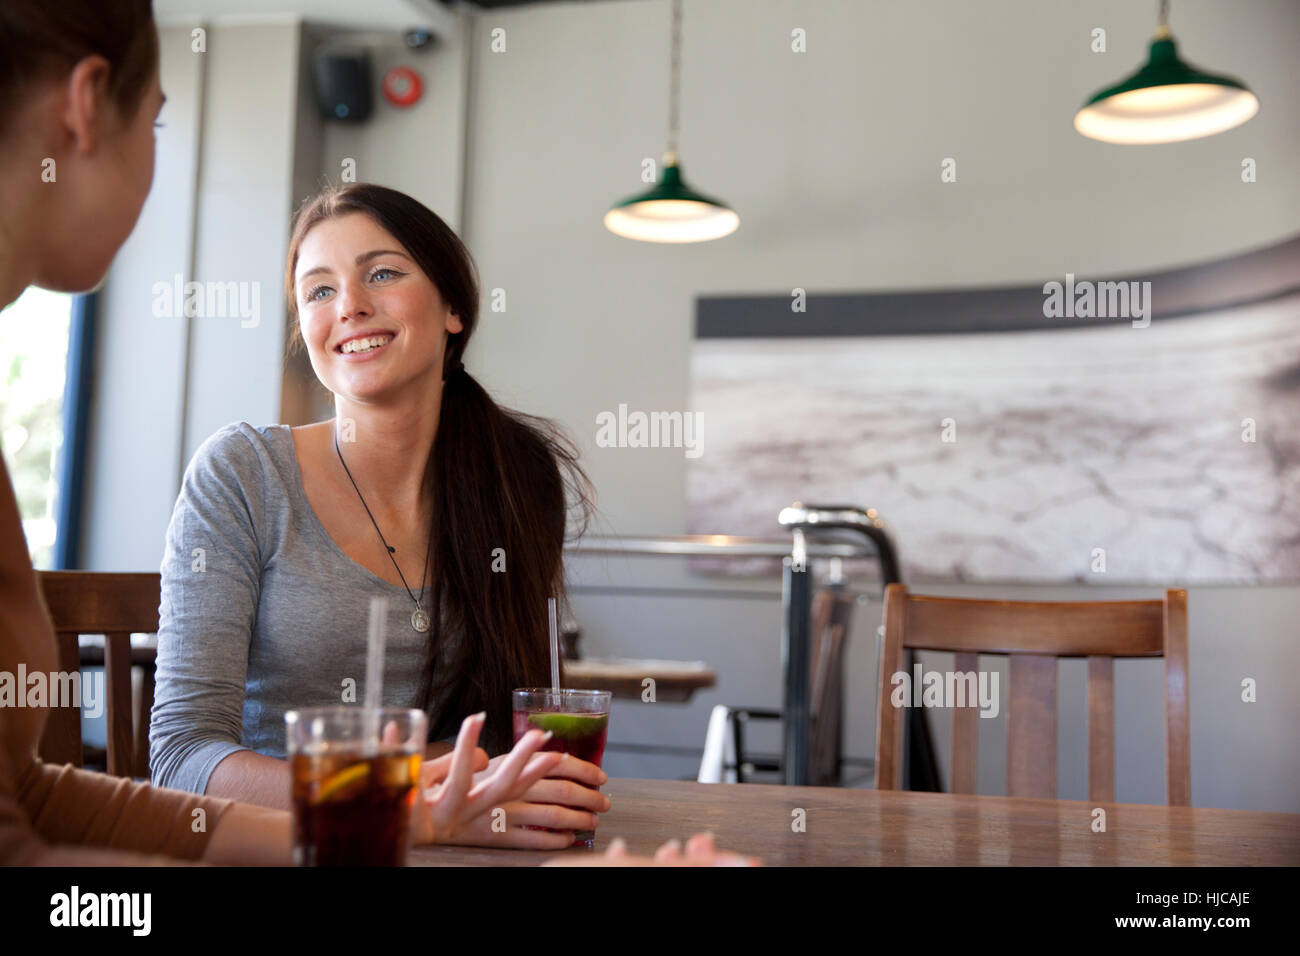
x=500, y=481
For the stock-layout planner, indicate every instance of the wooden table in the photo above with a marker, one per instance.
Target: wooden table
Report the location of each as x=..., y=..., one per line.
x=675, y=681
x=896, y=828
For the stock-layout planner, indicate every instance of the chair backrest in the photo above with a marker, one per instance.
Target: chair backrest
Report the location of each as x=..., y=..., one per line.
x=117, y=606
x=831, y=620
x=1034, y=635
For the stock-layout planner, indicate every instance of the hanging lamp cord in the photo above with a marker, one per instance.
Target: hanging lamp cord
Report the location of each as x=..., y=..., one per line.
x=674, y=82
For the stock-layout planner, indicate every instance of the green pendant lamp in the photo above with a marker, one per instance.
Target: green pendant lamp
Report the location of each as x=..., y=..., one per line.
x=671, y=211
x=1166, y=101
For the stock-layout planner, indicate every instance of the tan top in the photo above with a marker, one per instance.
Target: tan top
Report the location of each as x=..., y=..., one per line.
x=60, y=815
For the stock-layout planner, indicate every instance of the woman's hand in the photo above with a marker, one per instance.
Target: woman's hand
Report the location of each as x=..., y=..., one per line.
x=450, y=799
x=699, y=851
x=547, y=803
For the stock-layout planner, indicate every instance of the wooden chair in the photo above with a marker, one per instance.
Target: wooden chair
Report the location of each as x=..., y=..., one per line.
x=1034, y=635
x=117, y=606
x=832, y=614
x=725, y=757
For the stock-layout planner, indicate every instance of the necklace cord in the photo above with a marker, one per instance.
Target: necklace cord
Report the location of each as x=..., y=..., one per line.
x=387, y=548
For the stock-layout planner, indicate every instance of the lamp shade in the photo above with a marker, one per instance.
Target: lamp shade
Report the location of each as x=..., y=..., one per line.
x=670, y=211
x=1166, y=101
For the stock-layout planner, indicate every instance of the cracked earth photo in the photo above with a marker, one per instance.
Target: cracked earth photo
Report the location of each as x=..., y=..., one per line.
x=1110, y=454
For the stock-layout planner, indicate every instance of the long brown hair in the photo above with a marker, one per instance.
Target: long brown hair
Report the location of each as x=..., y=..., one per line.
x=498, y=479
x=39, y=40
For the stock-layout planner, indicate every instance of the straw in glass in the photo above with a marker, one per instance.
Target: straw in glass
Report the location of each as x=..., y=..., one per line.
x=375, y=637
x=555, y=647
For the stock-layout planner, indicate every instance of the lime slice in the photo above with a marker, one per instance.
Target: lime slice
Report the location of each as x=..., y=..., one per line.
x=341, y=780
x=570, y=726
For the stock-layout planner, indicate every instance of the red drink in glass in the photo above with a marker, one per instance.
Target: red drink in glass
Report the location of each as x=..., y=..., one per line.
x=579, y=724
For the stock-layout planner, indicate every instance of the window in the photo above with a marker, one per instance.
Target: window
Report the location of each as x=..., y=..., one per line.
x=33, y=361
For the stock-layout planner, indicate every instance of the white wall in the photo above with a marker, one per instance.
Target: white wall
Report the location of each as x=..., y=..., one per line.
x=832, y=160
x=135, y=432
x=244, y=199
x=218, y=211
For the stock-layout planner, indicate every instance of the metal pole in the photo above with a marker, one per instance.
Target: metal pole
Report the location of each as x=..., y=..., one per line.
x=711, y=546
x=802, y=520
x=797, y=708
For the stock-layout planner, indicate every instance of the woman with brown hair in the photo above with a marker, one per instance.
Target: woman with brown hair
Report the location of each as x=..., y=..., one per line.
x=419, y=489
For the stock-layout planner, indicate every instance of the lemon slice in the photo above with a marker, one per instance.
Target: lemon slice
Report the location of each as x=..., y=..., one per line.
x=342, y=779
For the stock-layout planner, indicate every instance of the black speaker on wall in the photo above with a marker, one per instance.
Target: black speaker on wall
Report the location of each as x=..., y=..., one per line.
x=343, y=84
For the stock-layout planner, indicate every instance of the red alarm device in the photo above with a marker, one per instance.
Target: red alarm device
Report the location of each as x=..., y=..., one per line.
x=402, y=86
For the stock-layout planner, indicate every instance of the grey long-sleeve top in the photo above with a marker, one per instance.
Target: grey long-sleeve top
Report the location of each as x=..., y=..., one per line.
x=261, y=612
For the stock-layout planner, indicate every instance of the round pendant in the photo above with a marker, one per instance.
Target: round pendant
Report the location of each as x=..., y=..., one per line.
x=419, y=620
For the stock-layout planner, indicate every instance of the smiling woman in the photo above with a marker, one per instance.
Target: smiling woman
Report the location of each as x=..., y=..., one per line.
x=387, y=299
x=420, y=489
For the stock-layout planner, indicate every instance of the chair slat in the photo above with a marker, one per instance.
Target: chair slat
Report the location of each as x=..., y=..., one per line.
x=1178, y=755
x=889, y=719
x=1059, y=628
x=965, y=732
x=142, y=723
x=1101, y=729
x=117, y=681
x=1031, y=726
x=818, y=658
x=819, y=617
x=828, y=709
x=828, y=725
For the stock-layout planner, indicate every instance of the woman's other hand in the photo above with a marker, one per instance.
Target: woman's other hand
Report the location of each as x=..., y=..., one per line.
x=450, y=797
x=699, y=851
x=565, y=800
